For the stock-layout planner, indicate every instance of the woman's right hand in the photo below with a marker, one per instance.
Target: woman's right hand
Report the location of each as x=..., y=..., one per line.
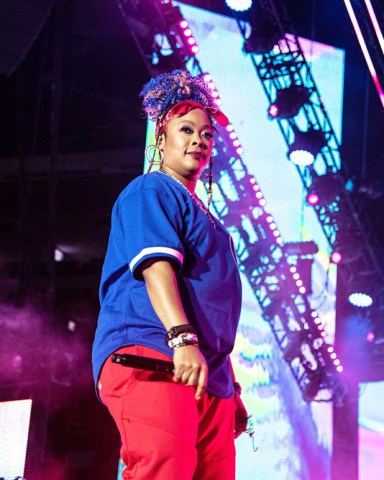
x=191, y=368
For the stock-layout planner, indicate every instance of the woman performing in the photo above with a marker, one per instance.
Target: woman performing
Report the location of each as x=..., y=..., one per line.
x=170, y=290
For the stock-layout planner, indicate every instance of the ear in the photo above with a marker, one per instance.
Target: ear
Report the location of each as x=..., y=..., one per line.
x=161, y=141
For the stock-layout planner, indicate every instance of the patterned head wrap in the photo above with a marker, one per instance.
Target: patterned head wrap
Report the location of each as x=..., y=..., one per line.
x=177, y=93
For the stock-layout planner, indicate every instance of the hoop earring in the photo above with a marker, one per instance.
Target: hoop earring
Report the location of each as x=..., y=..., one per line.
x=209, y=176
x=150, y=155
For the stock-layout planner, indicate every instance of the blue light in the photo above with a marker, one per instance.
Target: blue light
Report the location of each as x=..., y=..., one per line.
x=362, y=300
x=239, y=5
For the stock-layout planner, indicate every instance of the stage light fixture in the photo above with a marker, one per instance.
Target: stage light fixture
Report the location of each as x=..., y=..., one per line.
x=289, y=101
x=313, y=387
x=360, y=299
x=324, y=189
x=300, y=249
x=363, y=291
x=312, y=199
x=294, y=345
x=306, y=146
x=239, y=5
x=336, y=257
x=263, y=37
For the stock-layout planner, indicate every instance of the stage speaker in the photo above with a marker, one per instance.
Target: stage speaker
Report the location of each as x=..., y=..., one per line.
x=20, y=24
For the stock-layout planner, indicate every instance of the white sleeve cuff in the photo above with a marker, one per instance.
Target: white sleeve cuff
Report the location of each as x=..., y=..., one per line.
x=153, y=252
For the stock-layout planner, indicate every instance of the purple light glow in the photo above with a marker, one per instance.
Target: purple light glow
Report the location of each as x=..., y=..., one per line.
x=370, y=337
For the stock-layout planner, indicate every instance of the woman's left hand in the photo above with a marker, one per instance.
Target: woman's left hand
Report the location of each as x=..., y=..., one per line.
x=241, y=416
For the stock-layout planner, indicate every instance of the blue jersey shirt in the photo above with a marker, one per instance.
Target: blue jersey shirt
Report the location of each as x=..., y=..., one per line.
x=155, y=216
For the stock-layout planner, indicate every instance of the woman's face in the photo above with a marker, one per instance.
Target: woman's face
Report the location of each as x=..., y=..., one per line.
x=187, y=145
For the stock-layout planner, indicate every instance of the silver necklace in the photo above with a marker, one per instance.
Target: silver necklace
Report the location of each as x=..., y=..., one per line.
x=194, y=197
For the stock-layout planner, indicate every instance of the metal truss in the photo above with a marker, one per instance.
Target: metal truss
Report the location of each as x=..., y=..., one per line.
x=239, y=204
x=343, y=225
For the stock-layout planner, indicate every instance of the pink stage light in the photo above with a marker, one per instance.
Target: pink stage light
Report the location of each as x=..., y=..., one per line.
x=273, y=110
x=183, y=24
x=339, y=368
x=370, y=337
x=336, y=257
x=313, y=199
x=195, y=49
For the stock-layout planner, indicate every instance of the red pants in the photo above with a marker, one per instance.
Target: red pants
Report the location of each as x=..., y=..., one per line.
x=166, y=434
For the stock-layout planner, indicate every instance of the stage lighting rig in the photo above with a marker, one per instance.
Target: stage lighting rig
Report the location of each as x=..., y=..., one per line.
x=306, y=146
x=263, y=37
x=300, y=249
x=325, y=189
x=239, y=5
x=313, y=387
x=289, y=101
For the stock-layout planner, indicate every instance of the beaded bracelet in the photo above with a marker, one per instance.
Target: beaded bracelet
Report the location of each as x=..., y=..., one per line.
x=183, y=340
x=175, y=331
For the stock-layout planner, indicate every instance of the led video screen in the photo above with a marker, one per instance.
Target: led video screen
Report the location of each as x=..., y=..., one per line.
x=292, y=439
x=371, y=430
x=14, y=428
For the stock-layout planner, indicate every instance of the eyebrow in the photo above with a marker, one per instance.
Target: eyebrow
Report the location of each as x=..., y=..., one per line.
x=206, y=125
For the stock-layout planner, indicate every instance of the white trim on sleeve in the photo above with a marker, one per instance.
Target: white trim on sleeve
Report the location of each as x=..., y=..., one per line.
x=152, y=250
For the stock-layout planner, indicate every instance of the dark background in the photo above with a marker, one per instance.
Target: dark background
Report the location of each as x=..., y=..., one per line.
x=71, y=137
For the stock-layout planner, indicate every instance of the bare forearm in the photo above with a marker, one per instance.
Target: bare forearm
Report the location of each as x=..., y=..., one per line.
x=163, y=291
x=161, y=283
